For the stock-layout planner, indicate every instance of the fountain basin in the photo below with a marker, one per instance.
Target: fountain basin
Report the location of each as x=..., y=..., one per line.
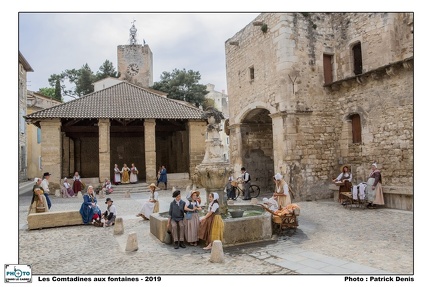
x=236, y=213
x=255, y=227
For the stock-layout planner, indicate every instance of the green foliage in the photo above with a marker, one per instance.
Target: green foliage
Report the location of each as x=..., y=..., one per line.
x=47, y=92
x=106, y=70
x=80, y=80
x=182, y=85
x=208, y=103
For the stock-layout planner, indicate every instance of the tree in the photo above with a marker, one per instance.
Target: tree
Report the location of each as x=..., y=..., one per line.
x=81, y=79
x=106, y=70
x=182, y=85
x=47, y=92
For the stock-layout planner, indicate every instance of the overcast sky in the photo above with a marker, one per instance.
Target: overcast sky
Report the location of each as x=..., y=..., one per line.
x=54, y=42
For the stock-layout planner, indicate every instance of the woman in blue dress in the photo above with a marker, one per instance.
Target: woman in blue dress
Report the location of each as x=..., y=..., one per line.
x=89, y=210
x=162, y=176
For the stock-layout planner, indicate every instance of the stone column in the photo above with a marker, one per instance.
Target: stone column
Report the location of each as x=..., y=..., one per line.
x=196, y=131
x=236, y=147
x=66, y=158
x=279, y=143
x=104, y=149
x=52, y=150
x=150, y=149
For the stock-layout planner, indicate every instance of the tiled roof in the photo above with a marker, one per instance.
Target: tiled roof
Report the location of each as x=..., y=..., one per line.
x=121, y=101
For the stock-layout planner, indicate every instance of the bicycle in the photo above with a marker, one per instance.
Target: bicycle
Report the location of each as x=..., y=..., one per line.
x=254, y=190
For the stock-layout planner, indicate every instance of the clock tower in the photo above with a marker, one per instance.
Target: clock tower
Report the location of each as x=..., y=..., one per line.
x=135, y=61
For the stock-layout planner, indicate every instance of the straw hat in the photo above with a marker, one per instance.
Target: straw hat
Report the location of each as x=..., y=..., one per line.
x=152, y=185
x=195, y=191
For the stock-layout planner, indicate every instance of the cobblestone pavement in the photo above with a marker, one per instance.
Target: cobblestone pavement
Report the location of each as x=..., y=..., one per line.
x=379, y=238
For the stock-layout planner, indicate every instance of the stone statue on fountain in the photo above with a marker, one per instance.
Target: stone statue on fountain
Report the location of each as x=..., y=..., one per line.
x=213, y=172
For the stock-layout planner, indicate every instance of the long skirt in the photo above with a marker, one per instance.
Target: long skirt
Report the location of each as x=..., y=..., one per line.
x=117, y=178
x=76, y=186
x=205, y=229
x=376, y=195
x=344, y=188
x=125, y=177
x=217, y=229
x=133, y=178
x=149, y=207
x=192, y=228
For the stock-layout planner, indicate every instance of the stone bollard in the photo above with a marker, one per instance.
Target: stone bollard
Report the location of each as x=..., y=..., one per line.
x=230, y=202
x=254, y=201
x=118, y=226
x=132, y=242
x=217, y=255
x=102, y=193
x=127, y=194
x=57, y=193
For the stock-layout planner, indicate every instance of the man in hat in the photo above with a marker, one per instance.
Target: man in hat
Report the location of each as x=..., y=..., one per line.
x=246, y=183
x=45, y=186
x=110, y=214
x=176, y=216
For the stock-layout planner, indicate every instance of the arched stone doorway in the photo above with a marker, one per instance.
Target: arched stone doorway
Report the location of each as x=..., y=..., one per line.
x=257, y=147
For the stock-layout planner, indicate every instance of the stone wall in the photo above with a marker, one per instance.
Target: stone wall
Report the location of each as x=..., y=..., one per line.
x=281, y=70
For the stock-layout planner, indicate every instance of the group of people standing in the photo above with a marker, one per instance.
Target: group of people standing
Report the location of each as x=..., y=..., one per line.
x=186, y=225
x=126, y=174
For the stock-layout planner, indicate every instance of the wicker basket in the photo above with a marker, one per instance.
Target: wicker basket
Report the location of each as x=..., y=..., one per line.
x=234, y=183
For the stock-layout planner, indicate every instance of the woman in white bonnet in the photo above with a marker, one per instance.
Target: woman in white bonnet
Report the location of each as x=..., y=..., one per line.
x=281, y=191
x=271, y=203
x=374, y=187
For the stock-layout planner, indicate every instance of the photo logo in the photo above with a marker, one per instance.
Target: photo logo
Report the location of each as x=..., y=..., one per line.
x=18, y=273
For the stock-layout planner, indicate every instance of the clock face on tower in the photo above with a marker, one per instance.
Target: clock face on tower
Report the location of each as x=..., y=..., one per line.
x=132, y=69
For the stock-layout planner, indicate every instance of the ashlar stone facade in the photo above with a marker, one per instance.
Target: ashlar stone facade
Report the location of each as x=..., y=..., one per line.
x=309, y=92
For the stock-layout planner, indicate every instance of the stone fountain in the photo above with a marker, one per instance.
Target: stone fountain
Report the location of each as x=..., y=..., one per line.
x=212, y=174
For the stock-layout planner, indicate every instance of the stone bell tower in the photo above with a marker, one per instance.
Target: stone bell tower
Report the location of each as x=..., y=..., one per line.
x=135, y=61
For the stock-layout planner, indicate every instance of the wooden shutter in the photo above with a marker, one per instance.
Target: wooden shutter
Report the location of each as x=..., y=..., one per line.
x=328, y=71
x=356, y=128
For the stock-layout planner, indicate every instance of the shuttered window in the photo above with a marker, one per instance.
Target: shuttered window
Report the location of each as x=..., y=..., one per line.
x=328, y=68
x=356, y=128
x=357, y=54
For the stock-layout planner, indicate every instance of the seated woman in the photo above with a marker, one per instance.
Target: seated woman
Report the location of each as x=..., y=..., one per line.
x=38, y=202
x=89, y=210
x=344, y=181
x=67, y=190
x=211, y=225
x=150, y=206
x=107, y=186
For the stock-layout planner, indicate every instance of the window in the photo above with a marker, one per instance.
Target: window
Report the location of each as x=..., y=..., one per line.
x=356, y=128
x=357, y=59
x=23, y=158
x=251, y=73
x=328, y=68
x=39, y=136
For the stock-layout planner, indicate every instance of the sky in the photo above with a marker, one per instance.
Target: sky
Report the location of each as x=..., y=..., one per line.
x=52, y=42
x=55, y=42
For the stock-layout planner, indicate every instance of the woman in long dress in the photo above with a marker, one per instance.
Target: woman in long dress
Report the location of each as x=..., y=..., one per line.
x=125, y=174
x=117, y=175
x=211, y=225
x=38, y=202
x=150, y=206
x=192, y=225
x=90, y=210
x=77, y=185
x=375, y=194
x=281, y=193
x=133, y=174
